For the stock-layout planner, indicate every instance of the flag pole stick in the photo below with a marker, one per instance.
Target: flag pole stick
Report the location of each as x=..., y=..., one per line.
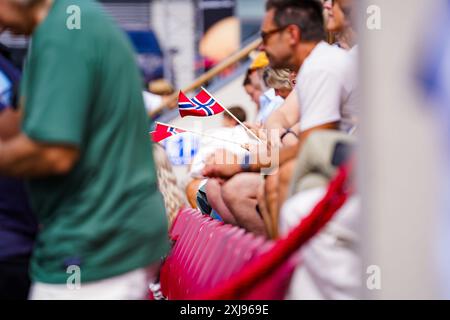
x=234, y=117
x=203, y=134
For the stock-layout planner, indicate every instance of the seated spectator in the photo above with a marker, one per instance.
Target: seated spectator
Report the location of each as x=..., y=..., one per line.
x=282, y=81
x=325, y=87
x=330, y=265
x=174, y=197
x=268, y=100
x=222, y=197
x=254, y=91
x=231, y=131
x=339, y=23
x=314, y=113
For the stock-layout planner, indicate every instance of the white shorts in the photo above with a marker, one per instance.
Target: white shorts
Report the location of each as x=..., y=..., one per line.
x=331, y=265
x=133, y=285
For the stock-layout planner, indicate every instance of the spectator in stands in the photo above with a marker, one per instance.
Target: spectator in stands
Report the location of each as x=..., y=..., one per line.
x=293, y=37
x=327, y=5
x=281, y=80
x=18, y=225
x=331, y=266
x=199, y=188
x=84, y=146
x=253, y=92
x=268, y=100
x=230, y=122
x=222, y=198
x=339, y=23
x=345, y=110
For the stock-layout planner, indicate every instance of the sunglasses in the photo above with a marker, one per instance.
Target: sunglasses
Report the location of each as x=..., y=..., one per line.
x=266, y=34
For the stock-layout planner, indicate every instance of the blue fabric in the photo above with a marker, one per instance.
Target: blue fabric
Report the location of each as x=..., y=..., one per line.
x=5, y=91
x=435, y=76
x=202, y=201
x=9, y=80
x=216, y=216
x=18, y=225
x=268, y=103
x=145, y=42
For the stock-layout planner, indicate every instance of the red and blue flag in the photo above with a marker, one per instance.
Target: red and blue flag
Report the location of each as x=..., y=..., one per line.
x=163, y=131
x=202, y=105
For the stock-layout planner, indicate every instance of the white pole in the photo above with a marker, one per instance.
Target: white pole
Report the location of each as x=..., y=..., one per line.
x=233, y=116
x=203, y=134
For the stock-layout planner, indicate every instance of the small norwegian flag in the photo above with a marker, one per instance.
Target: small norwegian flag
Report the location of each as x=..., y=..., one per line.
x=163, y=131
x=202, y=105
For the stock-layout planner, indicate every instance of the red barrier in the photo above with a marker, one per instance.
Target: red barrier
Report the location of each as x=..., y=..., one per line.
x=207, y=252
x=211, y=261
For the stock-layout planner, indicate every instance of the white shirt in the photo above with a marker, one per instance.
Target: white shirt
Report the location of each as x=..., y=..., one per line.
x=326, y=85
x=209, y=145
x=353, y=52
x=353, y=116
x=330, y=264
x=269, y=101
x=151, y=101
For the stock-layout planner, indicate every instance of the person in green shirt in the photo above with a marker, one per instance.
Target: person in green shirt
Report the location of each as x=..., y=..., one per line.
x=86, y=151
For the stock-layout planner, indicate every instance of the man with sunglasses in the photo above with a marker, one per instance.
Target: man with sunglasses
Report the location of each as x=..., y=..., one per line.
x=293, y=37
x=326, y=99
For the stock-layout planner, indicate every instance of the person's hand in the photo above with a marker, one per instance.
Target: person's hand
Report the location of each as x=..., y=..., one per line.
x=253, y=125
x=222, y=164
x=9, y=123
x=221, y=171
x=257, y=130
x=169, y=101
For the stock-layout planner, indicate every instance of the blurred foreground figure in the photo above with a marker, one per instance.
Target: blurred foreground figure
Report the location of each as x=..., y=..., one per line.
x=18, y=225
x=85, y=147
x=434, y=71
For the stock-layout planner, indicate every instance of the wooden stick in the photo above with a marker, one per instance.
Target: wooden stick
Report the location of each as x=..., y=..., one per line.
x=212, y=72
x=202, y=134
x=234, y=117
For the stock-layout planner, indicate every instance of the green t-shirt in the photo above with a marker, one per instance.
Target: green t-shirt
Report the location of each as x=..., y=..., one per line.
x=81, y=87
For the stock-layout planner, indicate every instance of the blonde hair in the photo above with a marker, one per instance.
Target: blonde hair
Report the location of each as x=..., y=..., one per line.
x=277, y=78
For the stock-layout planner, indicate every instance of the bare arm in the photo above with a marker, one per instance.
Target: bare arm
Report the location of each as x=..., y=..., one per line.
x=23, y=157
x=9, y=124
x=287, y=115
x=285, y=154
x=291, y=152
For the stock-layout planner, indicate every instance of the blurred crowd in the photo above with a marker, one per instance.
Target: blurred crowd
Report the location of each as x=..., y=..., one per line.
x=305, y=90
x=85, y=199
